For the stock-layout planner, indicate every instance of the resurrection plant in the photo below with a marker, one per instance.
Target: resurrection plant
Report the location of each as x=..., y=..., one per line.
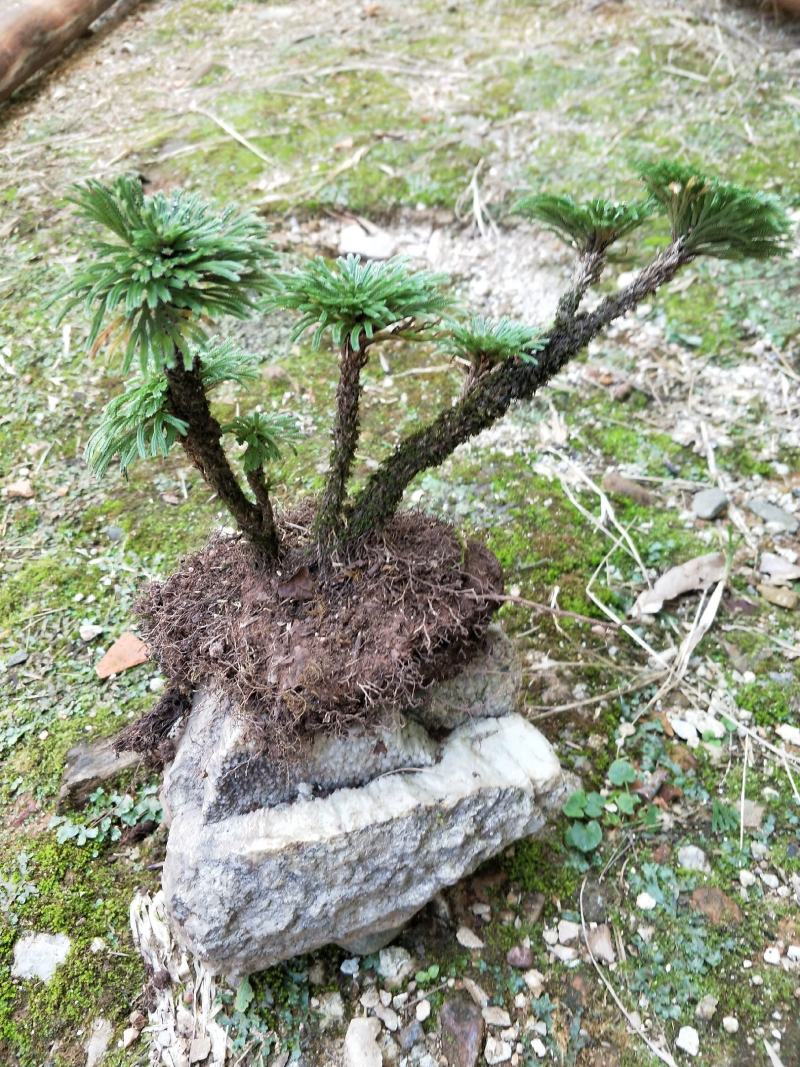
x=167, y=266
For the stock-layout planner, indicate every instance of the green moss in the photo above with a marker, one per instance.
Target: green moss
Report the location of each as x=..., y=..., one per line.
x=84, y=900
x=770, y=702
x=539, y=865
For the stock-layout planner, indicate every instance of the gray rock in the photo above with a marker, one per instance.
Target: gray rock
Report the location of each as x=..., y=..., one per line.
x=90, y=766
x=706, y=1008
x=99, y=1040
x=772, y=515
x=250, y=888
x=361, y=1047
x=331, y=1009
x=411, y=1035
x=114, y=533
x=219, y=768
x=710, y=503
x=488, y=687
x=462, y=1031
x=598, y=898
x=394, y=964
x=693, y=858
x=39, y=955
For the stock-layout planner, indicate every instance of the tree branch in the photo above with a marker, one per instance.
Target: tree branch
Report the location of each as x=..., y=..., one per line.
x=492, y=396
x=258, y=483
x=188, y=401
x=329, y=521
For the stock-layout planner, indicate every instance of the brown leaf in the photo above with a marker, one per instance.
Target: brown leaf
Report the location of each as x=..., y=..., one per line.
x=717, y=907
x=670, y=793
x=19, y=490
x=699, y=573
x=616, y=483
x=779, y=595
x=127, y=651
x=300, y=586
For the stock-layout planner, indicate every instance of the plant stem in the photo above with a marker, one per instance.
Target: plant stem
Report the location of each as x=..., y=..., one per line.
x=329, y=521
x=258, y=483
x=493, y=394
x=587, y=272
x=201, y=444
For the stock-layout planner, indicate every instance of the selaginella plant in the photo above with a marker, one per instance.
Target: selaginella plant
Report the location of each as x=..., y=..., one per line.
x=168, y=266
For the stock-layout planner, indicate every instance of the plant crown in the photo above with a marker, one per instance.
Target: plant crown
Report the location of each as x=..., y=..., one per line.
x=173, y=263
x=349, y=296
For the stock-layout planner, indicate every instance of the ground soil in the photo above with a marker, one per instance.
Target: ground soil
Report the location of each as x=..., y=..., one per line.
x=414, y=124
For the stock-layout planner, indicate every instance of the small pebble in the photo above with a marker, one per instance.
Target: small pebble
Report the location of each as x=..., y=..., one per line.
x=730, y=1024
x=688, y=1040
x=692, y=858
x=369, y=998
x=568, y=931
x=709, y=504
x=423, y=1010
x=706, y=1008
x=350, y=966
x=468, y=938
x=494, y=1016
x=645, y=902
x=772, y=956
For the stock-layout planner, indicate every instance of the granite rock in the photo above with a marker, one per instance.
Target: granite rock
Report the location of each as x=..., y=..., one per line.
x=362, y=832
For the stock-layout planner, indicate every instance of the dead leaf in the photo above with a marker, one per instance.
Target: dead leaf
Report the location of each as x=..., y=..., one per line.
x=699, y=573
x=717, y=907
x=777, y=570
x=300, y=586
x=599, y=942
x=779, y=595
x=126, y=652
x=199, y=1049
x=616, y=483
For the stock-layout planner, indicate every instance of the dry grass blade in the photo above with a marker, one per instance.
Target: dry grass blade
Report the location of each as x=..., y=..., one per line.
x=233, y=134
x=637, y=1028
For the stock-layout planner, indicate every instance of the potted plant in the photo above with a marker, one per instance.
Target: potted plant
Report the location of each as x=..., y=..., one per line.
x=334, y=618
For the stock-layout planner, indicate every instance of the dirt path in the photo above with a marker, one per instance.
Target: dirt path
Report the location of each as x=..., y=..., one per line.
x=409, y=127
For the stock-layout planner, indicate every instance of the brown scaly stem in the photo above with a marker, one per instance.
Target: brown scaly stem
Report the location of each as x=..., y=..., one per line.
x=258, y=483
x=329, y=521
x=201, y=443
x=493, y=394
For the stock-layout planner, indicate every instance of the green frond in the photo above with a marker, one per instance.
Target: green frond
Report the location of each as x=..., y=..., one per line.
x=348, y=296
x=171, y=262
x=135, y=425
x=492, y=339
x=224, y=361
x=264, y=435
x=590, y=226
x=716, y=218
